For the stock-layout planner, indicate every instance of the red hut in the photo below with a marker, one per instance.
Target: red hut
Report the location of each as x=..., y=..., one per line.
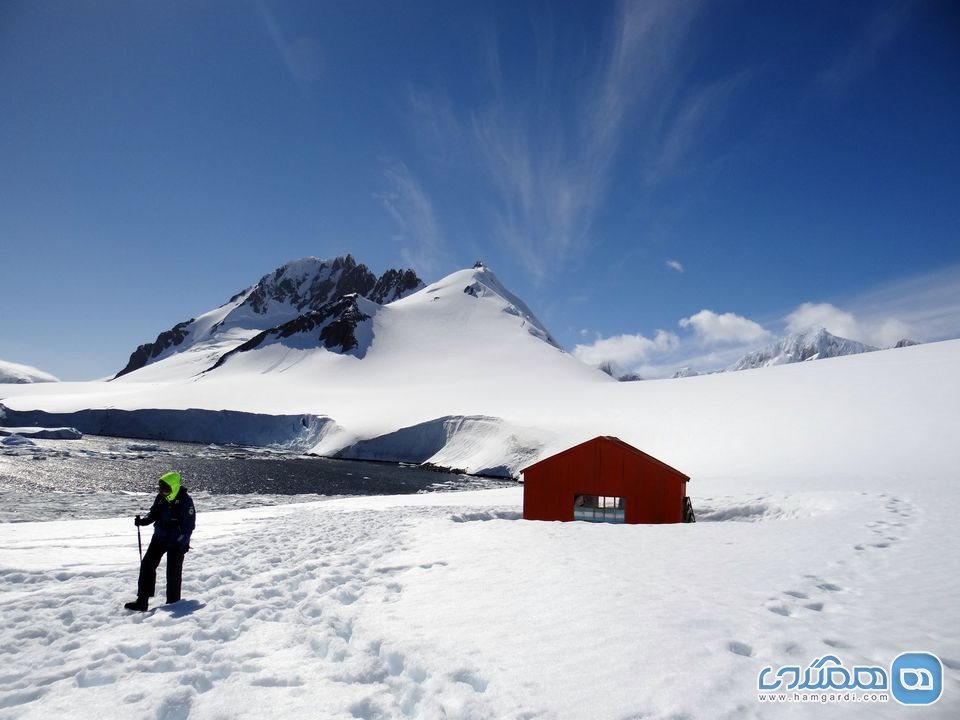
x=605, y=480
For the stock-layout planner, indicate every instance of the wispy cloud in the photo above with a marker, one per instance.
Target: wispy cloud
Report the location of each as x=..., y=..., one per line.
x=924, y=307
x=547, y=149
x=688, y=124
x=866, y=50
x=675, y=265
x=410, y=207
x=302, y=56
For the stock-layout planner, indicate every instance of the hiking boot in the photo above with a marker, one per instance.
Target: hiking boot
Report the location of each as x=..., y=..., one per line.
x=138, y=605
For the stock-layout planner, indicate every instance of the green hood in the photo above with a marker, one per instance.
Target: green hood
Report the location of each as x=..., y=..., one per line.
x=173, y=480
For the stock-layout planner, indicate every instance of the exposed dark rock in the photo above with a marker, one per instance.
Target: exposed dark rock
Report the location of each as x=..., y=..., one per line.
x=337, y=321
x=298, y=287
x=393, y=285
x=342, y=277
x=150, y=351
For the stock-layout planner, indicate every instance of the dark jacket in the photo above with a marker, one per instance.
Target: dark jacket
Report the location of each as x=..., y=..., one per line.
x=173, y=522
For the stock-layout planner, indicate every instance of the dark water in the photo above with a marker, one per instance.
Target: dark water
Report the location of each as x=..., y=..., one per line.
x=103, y=477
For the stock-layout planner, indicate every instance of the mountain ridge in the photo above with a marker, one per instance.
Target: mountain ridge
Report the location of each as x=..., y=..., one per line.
x=294, y=289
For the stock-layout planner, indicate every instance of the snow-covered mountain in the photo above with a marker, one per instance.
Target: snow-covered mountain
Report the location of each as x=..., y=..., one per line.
x=813, y=344
x=461, y=374
x=22, y=374
x=425, y=378
x=298, y=289
x=465, y=325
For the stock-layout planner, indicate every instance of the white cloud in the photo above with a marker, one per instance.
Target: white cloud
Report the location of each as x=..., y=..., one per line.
x=836, y=321
x=412, y=210
x=675, y=265
x=625, y=352
x=727, y=328
x=923, y=307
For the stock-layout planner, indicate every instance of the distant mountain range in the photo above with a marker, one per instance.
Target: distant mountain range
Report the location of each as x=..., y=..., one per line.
x=812, y=344
x=314, y=304
x=815, y=343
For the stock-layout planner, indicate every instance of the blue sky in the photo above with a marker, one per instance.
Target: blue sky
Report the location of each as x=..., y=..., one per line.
x=664, y=183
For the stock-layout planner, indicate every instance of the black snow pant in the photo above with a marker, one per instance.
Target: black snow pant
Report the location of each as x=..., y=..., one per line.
x=147, y=585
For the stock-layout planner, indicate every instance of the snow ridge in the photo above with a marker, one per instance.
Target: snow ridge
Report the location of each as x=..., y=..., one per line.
x=482, y=283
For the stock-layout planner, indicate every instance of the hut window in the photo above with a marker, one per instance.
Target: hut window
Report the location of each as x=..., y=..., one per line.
x=598, y=508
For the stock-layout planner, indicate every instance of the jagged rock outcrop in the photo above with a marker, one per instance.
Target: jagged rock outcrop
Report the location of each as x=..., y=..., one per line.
x=151, y=351
x=333, y=326
x=296, y=289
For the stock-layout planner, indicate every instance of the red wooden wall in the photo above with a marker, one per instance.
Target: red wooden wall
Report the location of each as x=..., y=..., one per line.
x=653, y=492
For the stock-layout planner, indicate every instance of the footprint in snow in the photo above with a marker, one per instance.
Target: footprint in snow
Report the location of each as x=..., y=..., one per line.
x=780, y=609
x=739, y=648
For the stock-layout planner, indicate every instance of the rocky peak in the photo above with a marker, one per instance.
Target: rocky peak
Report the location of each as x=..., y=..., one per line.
x=812, y=344
x=393, y=285
x=293, y=289
x=310, y=283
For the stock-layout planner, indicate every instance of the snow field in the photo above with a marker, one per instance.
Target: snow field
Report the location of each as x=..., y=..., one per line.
x=449, y=605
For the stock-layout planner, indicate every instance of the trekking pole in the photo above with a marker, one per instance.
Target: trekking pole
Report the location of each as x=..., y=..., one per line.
x=139, y=541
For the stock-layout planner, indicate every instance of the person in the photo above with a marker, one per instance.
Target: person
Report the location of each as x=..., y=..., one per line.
x=173, y=518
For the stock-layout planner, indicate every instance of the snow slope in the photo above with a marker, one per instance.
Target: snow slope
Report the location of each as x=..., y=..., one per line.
x=17, y=373
x=861, y=416
x=450, y=606
x=826, y=494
